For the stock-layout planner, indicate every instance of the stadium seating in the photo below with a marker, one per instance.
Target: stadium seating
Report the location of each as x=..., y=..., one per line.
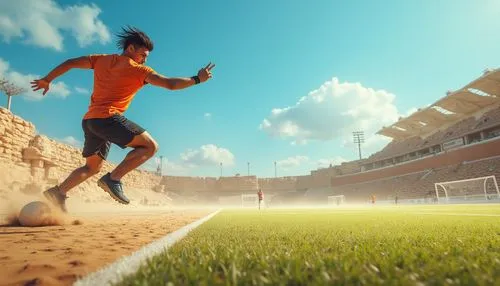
x=420, y=184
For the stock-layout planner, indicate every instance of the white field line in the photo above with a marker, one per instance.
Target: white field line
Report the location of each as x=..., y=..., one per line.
x=454, y=214
x=412, y=213
x=126, y=265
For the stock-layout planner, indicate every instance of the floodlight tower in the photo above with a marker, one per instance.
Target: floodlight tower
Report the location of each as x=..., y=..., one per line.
x=359, y=138
x=161, y=165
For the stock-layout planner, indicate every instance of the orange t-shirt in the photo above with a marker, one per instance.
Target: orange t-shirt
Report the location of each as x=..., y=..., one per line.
x=116, y=81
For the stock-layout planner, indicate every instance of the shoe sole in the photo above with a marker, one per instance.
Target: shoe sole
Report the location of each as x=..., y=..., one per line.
x=105, y=188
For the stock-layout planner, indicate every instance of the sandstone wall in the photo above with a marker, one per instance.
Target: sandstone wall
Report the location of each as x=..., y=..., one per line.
x=237, y=184
x=322, y=178
x=181, y=184
x=15, y=134
x=42, y=159
x=303, y=182
x=281, y=184
x=206, y=185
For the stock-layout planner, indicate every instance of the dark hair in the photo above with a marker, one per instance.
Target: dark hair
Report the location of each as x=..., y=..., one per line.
x=133, y=36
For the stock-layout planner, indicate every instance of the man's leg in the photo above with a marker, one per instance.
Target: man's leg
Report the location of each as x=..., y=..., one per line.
x=57, y=194
x=92, y=166
x=125, y=133
x=144, y=148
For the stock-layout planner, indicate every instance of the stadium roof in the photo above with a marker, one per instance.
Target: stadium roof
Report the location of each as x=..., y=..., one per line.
x=481, y=94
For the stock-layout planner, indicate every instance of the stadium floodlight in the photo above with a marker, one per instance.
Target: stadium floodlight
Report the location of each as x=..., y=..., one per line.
x=475, y=189
x=159, y=170
x=359, y=138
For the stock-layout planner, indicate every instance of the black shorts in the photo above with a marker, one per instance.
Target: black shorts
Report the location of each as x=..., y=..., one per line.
x=101, y=132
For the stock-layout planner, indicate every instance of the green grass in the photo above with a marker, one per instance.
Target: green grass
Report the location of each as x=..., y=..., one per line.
x=433, y=245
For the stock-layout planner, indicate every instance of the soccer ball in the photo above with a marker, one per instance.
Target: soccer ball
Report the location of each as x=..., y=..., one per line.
x=35, y=214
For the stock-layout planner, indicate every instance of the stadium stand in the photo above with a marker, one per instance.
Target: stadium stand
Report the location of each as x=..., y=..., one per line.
x=457, y=137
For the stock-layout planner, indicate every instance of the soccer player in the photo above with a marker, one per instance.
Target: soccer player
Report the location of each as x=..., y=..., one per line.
x=261, y=196
x=117, y=78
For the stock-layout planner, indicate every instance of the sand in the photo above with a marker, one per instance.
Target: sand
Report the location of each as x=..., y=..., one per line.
x=87, y=241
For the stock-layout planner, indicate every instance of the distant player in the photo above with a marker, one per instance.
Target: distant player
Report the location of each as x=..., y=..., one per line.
x=373, y=198
x=261, y=196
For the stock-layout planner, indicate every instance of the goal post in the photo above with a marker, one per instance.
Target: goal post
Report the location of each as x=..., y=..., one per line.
x=336, y=200
x=474, y=189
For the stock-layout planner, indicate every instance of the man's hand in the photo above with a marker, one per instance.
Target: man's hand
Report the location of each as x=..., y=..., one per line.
x=40, y=84
x=205, y=73
x=79, y=63
x=176, y=83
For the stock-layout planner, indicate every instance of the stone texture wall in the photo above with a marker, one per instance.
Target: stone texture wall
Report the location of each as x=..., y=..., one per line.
x=269, y=185
x=237, y=184
x=216, y=186
x=15, y=134
x=42, y=159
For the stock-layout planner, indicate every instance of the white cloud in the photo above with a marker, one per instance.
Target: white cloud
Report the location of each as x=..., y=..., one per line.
x=410, y=112
x=375, y=142
x=324, y=163
x=292, y=162
x=169, y=168
x=59, y=89
x=208, y=155
x=4, y=66
x=70, y=140
x=333, y=111
x=82, y=90
x=43, y=22
x=208, y=115
x=372, y=144
x=299, y=142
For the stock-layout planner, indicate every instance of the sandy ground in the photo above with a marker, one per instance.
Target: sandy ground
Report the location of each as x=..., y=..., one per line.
x=85, y=242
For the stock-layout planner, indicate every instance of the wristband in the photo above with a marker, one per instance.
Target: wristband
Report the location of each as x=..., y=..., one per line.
x=196, y=79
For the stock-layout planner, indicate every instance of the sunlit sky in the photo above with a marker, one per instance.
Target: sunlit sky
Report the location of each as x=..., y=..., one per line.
x=293, y=79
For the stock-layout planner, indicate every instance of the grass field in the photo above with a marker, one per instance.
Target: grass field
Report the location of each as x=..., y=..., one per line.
x=414, y=245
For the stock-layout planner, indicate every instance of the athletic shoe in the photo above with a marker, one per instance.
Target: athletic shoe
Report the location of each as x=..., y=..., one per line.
x=56, y=197
x=113, y=188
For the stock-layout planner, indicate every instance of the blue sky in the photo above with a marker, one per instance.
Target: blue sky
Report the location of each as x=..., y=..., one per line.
x=292, y=80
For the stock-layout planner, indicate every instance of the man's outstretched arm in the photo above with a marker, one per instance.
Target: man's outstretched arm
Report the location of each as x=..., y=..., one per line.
x=175, y=83
x=44, y=83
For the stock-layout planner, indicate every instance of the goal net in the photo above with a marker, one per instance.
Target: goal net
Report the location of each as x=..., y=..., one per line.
x=249, y=200
x=336, y=200
x=475, y=189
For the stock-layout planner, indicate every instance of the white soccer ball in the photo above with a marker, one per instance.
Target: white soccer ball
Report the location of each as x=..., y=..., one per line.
x=35, y=214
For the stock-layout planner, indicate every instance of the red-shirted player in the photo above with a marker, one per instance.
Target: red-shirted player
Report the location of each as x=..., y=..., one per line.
x=261, y=196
